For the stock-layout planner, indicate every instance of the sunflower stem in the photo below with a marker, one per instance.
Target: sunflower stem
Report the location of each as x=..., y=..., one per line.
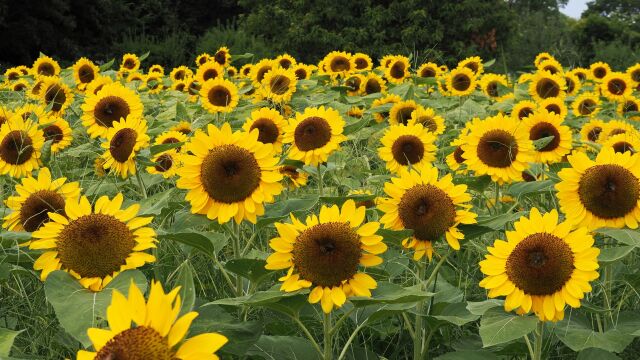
x=497, y=199
x=341, y=320
x=537, y=351
x=307, y=334
x=141, y=184
x=417, y=340
x=528, y=342
x=320, y=184
x=350, y=340
x=236, y=254
x=328, y=353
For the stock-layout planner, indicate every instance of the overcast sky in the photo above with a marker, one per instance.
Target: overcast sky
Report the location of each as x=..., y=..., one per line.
x=574, y=8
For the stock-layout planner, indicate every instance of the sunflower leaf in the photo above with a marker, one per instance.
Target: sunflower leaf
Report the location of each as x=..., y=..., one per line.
x=542, y=142
x=6, y=340
x=107, y=66
x=144, y=56
x=184, y=279
x=157, y=149
x=498, y=327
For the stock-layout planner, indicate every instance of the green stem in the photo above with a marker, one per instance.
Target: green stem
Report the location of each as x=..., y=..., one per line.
x=236, y=254
x=528, y=342
x=307, y=334
x=537, y=351
x=141, y=184
x=417, y=340
x=320, y=184
x=607, y=289
x=328, y=355
x=342, y=319
x=497, y=198
x=350, y=340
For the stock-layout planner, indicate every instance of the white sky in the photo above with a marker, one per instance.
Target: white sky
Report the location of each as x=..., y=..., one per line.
x=574, y=8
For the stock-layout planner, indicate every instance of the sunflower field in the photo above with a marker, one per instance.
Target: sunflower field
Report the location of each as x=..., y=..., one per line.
x=242, y=208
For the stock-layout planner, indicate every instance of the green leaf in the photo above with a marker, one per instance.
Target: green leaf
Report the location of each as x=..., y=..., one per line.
x=488, y=224
x=283, y=348
x=154, y=204
x=477, y=183
x=625, y=236
x=388, y=293
x=577, y=335
x=339, y=200
x=596, y=354
x=157, y=149
x=144, y=56
x=107, y=66
x=499, y=327
x=481, y=307
x=352, y=128
x=394, y=236
x=181, y=112
x=6, y=340
x=489, y=63
x=184, y=279
x=45, y=152
x=522, y=188
x=280, y=210
x=456, y=313
x=210, y=243
x=612, y=254
x=241, y=57
x=542, y=142
x=468, y=355
x=252, y=269
x=79, y=309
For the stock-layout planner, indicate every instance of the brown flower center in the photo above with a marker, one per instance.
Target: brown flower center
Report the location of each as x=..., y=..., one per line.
x=312, y=133
x=546, y=88
x=616, y=86
x=85, y=74
x=407, y=149
x=497, y=148
x=622, y=147
x=53, y=133
x=219, y=96
x=111, y=109
x=230, y=173
x=340, y=63
x=587, y=106
x=372, y=86
x=609, y=191
x=428, y=211
x=543, y=130
x=35, y=210
x=164, y=162
x=279, y=84
x=461, y=82
x=594, y=134
x=16, y=148
x=55, y=96
x=46, y=69
x=137, y=343
x=397, y=70
x=268, y=130
x=122, y=144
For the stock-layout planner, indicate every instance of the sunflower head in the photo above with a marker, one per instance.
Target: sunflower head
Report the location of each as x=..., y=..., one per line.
x=616, y=86
x=259, y=70
x=130, y=62
x=362, y=62
x=621, y=143
x=296, y=177
x=573, y=83
x=407, y=145
x=111, y=104
x=278, y=85
x=20, y=145
x=546, y=85
x=401, y=111
x=180, y=73
x=551, y=65
x=398, y=69
x=56, y=95
x=286, y=61
x=474, y=64
x=269, y=124
x=461, y=81
x=523, y=109
x=222, y=56
x=372, y=83
x=45, y=66
x=97, y=84
x=599, y=70
x=339, y=63
x=548, y=125
x=124, y=140
x=542, y=57
x=428, y=70
x=219, y=95
x=84, y=72
x=493, y=86
x=167, y=163
x=58, y=131
x=628, y=106
x=554, y=105
x=586, y=104
x=208, y=71
x=302, y=71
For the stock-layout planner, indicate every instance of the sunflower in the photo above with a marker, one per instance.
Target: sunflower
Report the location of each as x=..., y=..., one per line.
x=428, y=70
x=542, y=266
x=167, y=163
x=179, y=85
x=232, y=71
x=542, y=57
x=286, y=61
x=302, y=71
x=36, y=87
x=591, y=130
x=493, y=85
x=372, y=83
x=407, y=145
x=156, y=69
x=20, y=145
x=545, y=85
x=230, y=175
x=581, y=73
x=429, y=206
x=56, y=95
x=296, y=177
x=586, y=104
x=634, y=72
x=314, y=135
x=219, y=95
x=97, y=84
x=339, y=63
x=428, y=118
x=525, y=77
x=598, y=71
x=400, y=112
x=616, y=86
x=523, y=109
x=629, y=105
x=356, y=112
x=180, y=73
x=94, y=245
x=5, y=115
x=202, y=59
x=153, y=83
x=192, y=87
x=98, y=167
x=362, y=62
x=136, y=76
x=111, y=104
x=554, y=105
x=45, y=66
x=543, y=124
x=398, y=70
x=84, y=71
x=172, y=137
x=354, y=82
x=183, y=127
x=20, y=85
x=500, y=147
x=36, y=198
x=245, y=70
x=461, y=81
x=208, y=71
x=550, y=65
x=324, y=252
x=270, y=125
x=455, y=160
x=58, y=131
x=12, y=74
x=157, y=332
x=33, y=112
x=222, y=56
x=573, y=83
x=474, y=64
x=615, y=127
x=278, y=85
x=124, y=140
x=601, y=193
x=130, y=62
x=386, y=60
x=389, y=99
x=621, y=143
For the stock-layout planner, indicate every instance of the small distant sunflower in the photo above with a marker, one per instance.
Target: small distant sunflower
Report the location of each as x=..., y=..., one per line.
x=230, y=175
x=33, y=112
x=581, y=73
x=629, y=105
x=545, y=85
x=278, y=85
x=523, y=109
x=84, y=72
x=192, y=87
x=270, y=125
x=362, y=62
x=455, y=160
x=498, y=146
x=398, y=70
x=586, y=104
x=245, y=70
x=259, y=70
x=180, y=73
x=601, y=193
x=599, y=70
x=36, y=198
x=97, y=84
x=153, y=83
x=124, y=140
x=94, y=245
x=286, y=61
x=36, y=87
x=156, y=69
x=179, y=85
x=542, y=57
x=356, y=112
x=551, y=65
x=20, y=85
x=302, y=71
x=428, y=118
x=573, y=83
x=354, y=82
x=407, y=145
x=461, y=81
x=428, y=70
x=183, y=127
x=20, y=145
x=493, y=86
x=634, y=72
x=56, y=95
x=372, y=83
x=222, y=56
x=554, y=105
x=591, y=130
x=339, y=63
x=623, y=143
x=157, y=331
x=400, y=112
x=314, y=135
x=58, y=131
x=203, y=58
x=616, y=86
x=474, y=64
x=46, y=66
x=12, y=74
x=430, y=206
x=389, y=99
x=324, y=253
x=615, y=127
x=297, y=177
x=232, y=71
x=208, y=71
x=167, y=163
x=5, y=115
x=130, y=62
x=525, y=77
x=172, y=137
x=542, y=124
x=386, y=60
x=219, y=95
x=542, y=266
x=111, y=104
x=135, y=76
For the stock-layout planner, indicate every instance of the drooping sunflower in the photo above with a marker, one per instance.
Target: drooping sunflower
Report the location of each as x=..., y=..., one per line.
x=362, y=62
x=314, y=135
x=543, y=124
x=400, y=112
x=573, y=83
x=498, y=146
x=398, y=70
x=180, y=73
x=591, y=130
x=474, y=64
x=373, y=83
x=523, y=108
x=428, y=70
x=167, y=163
x=278, y=85
x=407, y=145
x=97, y=84
x=157, y=333
x=324, y=253
x=208, y=71
x=339, y=63
x=494, y=86
x=270, y=125
x=430, y=206
x=173, y=137
x=551, y=65
x=542, y=57
x=461, y=81
x=428, y=118
x=542, y=266
x=84, y=72
x=554, y=105
x=629, y=105
x=616, y=86
x=601, y=193
x=20, y=145
x=94, y=245
x=222, y=56
x=36, y=198
x=58, y=131
x=286, y=61
x=621, y=143
x=586, y=104
x=219, y=95
x=56, y=95
x=384, y=114
x=124, y=139
x=545, y=85
x=45, y=66
x=111, y=104
x=230, y=175
x=598, y=71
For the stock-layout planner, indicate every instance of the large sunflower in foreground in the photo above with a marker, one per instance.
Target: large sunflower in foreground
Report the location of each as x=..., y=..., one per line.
x=94, y=245
x=111, y=104
x=543, y=124
x=545, y=85
x=324, y=253
x=56, y=95
x=36, y=198
x=542, y=266
x=431, y=207
x=20, y=145
x=601, y=193
x=270, y=125
x=124, y=140
x=314, y=135
x=157, y=332
x=219, y=95
x=58, y=131
x=461, y=81
x=407, y=145
x=84, y=72
x=498, y=146
x=230, y=175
